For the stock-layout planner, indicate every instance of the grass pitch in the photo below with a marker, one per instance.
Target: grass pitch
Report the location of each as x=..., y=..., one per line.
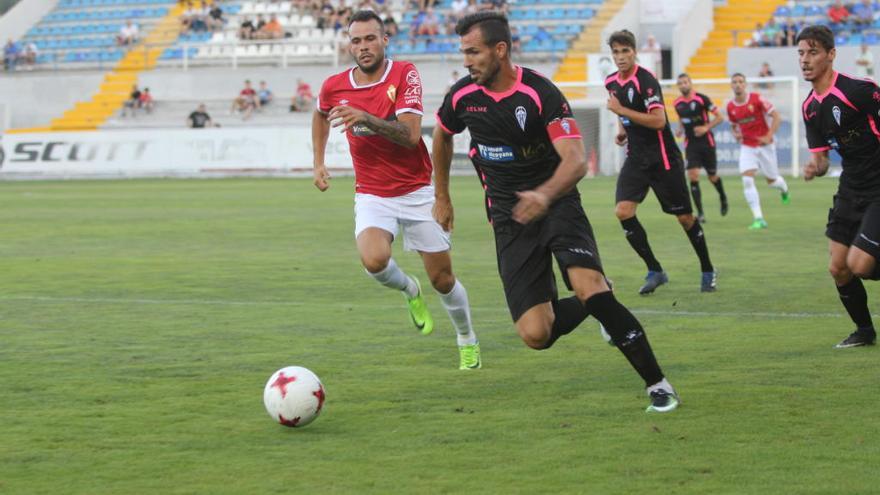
x=139, y=321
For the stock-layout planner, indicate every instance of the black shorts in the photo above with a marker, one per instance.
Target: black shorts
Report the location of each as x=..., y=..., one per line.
x=525, y=253
x=702, y=156
x=853, y=222
x=670, y=185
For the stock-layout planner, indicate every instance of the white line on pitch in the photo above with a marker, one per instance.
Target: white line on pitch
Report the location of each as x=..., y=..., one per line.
x=210, y=302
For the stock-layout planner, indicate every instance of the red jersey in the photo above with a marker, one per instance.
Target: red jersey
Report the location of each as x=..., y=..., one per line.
x=751, y=118
x=381, y=167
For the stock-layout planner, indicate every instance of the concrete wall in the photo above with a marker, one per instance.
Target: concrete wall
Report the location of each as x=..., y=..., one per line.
x=20, y=18
x=34, y=99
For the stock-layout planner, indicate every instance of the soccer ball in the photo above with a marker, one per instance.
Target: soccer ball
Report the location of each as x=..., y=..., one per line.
x=293, y=396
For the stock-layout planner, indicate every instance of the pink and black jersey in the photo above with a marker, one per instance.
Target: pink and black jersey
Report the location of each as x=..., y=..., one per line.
x=694, y=111
x=381, y=167
x=512, y=134
x=751, y=118
x=845, y=119
x=646, y=147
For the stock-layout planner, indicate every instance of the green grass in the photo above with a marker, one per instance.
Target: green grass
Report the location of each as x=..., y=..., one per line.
x=139, y=321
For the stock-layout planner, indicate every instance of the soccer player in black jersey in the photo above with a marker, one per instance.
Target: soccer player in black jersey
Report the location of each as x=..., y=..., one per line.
x=693, y=111
x=529, y=155
x=843, y=113
x=653, y=161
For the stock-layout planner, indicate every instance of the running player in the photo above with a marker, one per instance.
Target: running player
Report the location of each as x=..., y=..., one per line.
x=841, y=113
x=693, y=111
x=653, y=161
x=378, y=104
x=528, y=152
x=747, y=114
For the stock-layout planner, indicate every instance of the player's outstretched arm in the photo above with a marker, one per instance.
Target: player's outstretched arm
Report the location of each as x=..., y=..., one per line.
x=405, y=131
x=572, y=168
x=441, y=155
x=817, y=166
x=320, y=132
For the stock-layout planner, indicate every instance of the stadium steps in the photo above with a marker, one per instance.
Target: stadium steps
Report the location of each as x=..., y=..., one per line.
x=117, y=84
x=734, y=23
x=573, y=67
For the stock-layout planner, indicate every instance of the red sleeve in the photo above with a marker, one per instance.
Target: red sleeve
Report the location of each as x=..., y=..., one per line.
x=409, y=93
x=323, y=104
x=764, y=104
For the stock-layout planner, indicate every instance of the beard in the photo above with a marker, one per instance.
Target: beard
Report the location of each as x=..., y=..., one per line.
x=379, y=59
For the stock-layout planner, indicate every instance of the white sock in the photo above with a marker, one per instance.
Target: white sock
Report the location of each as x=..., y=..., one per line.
x=752, y=197
x=661, y=385
x=780, y=184
x=392, y=276
x=456, y=304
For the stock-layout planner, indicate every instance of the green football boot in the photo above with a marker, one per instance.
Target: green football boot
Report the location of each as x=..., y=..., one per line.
x=418, y=311
x=470, y=357
x=758, y=224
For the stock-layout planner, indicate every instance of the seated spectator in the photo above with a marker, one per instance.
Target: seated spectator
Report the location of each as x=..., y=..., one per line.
x=790, y=31
x=259, y=25
x=271, y=30
x=772, y=33
x=146, y=100
x=264, y=94
x=458, y=10
x=128, y=34
x=757, y=34
x=837, y=13
x=391, y=28
x=765, y=72
x=429, y=24
x=199, y=20
x=472, y=6
x=186, y=18
x=215, y=17
x=863, y=13
x=246, y=101
x=246, y=30
x=11, y=53
x=302, y=100
x=199, y=118
x=653, y=47
x=30, y=54
x=133, y=102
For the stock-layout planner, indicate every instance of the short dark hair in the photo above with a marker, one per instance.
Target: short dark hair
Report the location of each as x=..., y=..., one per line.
x=623, y=37
x=738, y=74
x=364, y=16
x=684, y=74
x=821, y=35
x=493, y=26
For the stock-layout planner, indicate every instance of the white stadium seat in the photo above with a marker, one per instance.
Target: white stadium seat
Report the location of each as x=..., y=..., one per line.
x=247, y=8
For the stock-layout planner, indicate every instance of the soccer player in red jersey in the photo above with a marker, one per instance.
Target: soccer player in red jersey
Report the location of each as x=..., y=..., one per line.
x=747, y=113
x=378, y=104
x=529, y=155
x=843, y=113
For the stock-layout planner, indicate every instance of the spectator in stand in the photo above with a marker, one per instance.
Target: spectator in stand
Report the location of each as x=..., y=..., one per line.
x=146, y=100
x=215, y=17
x=499, y=5
x=246, y=102
x=838, y=14
x=11, y=54
x=30, y=54
x=653, y=47
x=246, y=30
x=199, y=18
x=865, y=63
x=133, y=102
x=430, y=25
x=271, y=30
x=458, y=9
x=757, y=34
x=199, y=118
x=303, y=98
x=472, y=6
x=863, y=13
x=790, y=31
x=187, y=17
x=128, y=34
x=264, y=94
x=772, y=33
x=390, y=24
x=452, y=80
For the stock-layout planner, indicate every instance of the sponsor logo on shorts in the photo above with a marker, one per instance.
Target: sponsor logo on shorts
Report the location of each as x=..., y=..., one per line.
x=496, y=153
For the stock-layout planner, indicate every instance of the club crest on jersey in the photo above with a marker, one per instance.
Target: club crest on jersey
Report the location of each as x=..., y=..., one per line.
x=566, y=126
x=836, y=113
x=521, y=117
x=630, y=93
x=693, y=105
x=392, y=93
x=751, y=108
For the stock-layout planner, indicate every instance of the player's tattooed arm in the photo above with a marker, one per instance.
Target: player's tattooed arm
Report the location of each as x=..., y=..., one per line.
x=405, y=131
x=817, y=166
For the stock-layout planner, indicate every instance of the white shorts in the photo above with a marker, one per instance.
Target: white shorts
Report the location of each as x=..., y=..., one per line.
x=410, y=213
x=761, y=158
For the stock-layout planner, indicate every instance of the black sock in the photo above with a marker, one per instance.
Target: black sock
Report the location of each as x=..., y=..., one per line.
x=698, y=197
x=720, y=188
x=875, y=275
x=627, y=334
x=698, y=241
x=855, y=300
x=638, y=239
x=570, y=312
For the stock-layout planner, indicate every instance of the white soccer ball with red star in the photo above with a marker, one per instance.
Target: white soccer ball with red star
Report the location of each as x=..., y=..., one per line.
x=293, y=396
